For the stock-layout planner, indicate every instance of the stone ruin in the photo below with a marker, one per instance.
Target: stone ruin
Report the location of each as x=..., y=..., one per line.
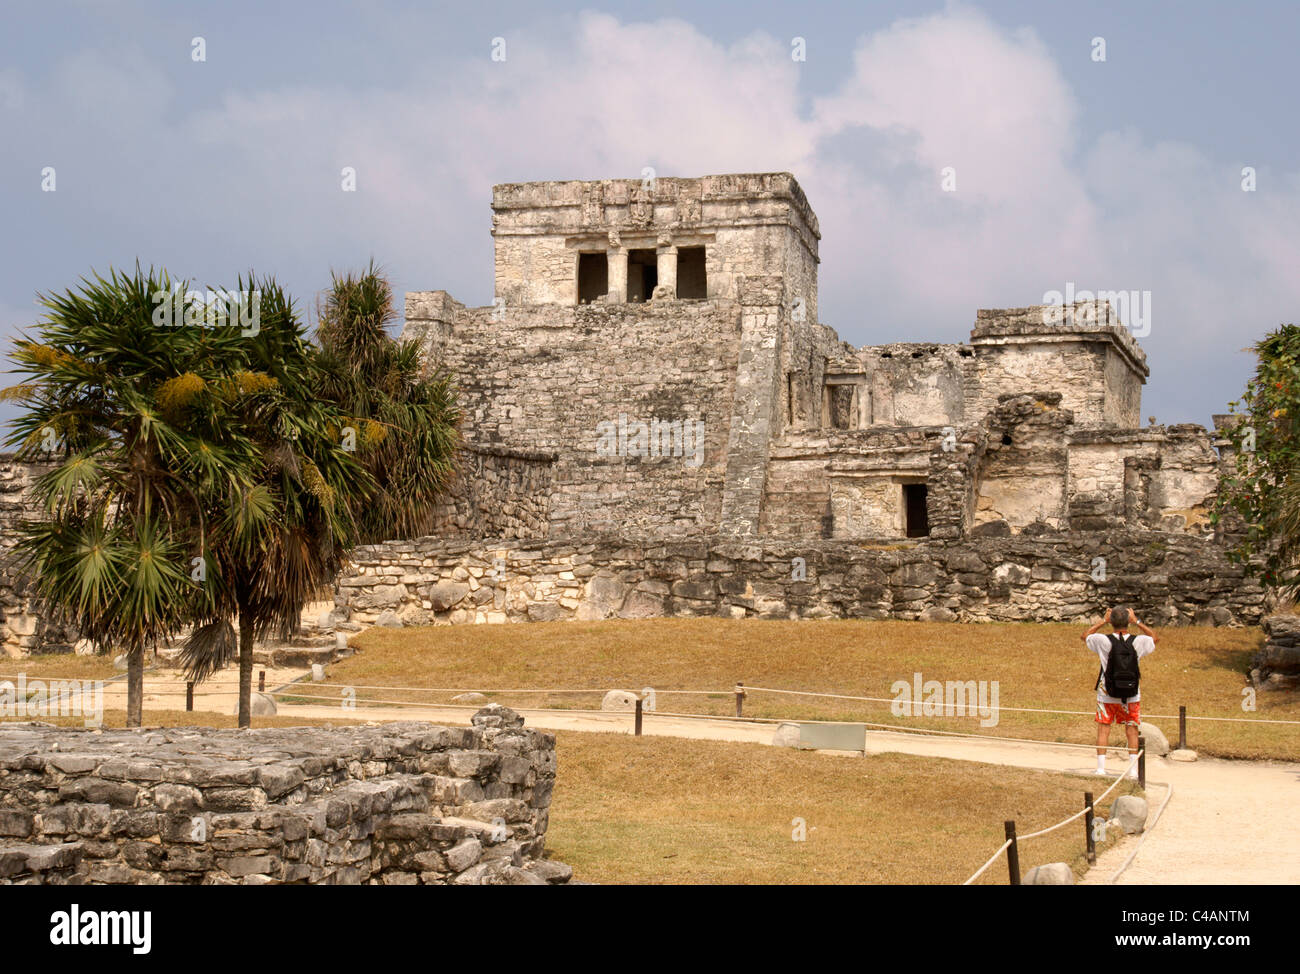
x=396, y=804
x=657, y=423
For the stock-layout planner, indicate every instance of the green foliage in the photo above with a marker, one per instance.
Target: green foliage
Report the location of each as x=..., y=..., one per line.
x=1259, y=500
x=402, y=414
x=197, y=475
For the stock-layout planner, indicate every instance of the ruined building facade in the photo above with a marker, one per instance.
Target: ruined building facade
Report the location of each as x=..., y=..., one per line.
x=657, y=423
x=654, y=365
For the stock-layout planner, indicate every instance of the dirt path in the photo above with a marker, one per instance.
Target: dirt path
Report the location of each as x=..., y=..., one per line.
x=1227, y=823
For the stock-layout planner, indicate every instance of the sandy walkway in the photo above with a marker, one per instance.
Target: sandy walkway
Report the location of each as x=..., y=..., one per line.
x=1228, y=822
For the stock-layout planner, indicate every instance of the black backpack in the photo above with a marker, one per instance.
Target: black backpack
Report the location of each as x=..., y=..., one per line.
x=1121, y=672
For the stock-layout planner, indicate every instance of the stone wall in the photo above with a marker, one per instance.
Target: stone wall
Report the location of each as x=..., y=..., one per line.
x=497, y=493
x=1047, y=577
x=542, y=380
x=398, y=804
x=24, y=625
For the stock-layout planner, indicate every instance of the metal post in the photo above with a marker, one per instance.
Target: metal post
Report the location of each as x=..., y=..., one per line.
x=1087, y=828
x=740, y=700
x=1182, y=728
x=189, y=695
x=1013, y=854
x=638, y=716
x=1142, y=762
x=261, y=681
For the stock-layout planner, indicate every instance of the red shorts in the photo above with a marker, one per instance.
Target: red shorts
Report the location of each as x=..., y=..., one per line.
x=1118, y=713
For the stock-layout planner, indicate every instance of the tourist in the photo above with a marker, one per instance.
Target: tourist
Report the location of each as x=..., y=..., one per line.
x=1118, y=692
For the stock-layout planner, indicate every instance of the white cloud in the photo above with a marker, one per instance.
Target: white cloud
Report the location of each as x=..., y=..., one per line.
x=594, y=97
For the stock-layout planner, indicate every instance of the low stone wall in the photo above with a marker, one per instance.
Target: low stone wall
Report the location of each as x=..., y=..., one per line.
x=1170, y=579
x=399, y=804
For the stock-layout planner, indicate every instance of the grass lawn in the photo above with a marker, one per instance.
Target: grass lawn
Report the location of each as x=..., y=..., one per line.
x=1036, y=665
x=665, y=810
x=65, y=666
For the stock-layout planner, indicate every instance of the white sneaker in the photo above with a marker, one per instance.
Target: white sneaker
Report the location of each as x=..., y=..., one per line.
x=1100, y=771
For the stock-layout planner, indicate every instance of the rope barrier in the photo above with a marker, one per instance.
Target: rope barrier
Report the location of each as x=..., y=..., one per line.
x=1052, y=828
x=742, y=688
x=1024, y=710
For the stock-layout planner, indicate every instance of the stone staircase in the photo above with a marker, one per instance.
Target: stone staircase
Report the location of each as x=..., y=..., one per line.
x=321, y=638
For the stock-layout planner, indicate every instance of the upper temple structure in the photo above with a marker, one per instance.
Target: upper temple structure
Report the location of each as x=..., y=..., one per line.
x=654, y=363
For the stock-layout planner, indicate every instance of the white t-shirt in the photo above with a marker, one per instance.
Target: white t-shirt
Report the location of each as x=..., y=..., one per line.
x=1099, y=643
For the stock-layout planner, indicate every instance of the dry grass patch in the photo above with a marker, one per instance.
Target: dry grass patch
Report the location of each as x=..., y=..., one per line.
x=666, y=810
x=1036, y=665
x=66, y=666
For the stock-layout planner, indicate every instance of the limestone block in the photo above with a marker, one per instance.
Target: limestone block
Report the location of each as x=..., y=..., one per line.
x=619, y=701
x=1154, y=738
x=1049, y=874
x=1130, y=813
x=259, y=705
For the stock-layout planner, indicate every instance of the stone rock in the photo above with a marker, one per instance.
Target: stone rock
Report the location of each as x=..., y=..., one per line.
x=317, y=672
x=787, y=735
x=1154, y=737
x=619, y=701
x=496, y=715
x=259, y=705
x=1049, y=874
x=444, y=595
x=389, y=619
x=1184, y=754
x=1130, y=813
x=938, y=613
x=119, y=662
x=463, y=854
x=471, y=697
x=550, y=871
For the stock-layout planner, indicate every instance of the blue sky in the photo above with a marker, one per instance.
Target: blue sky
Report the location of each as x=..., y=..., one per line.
x=1122, y=174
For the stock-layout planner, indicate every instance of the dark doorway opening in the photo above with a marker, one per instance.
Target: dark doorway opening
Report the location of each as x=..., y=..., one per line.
x=593, y=277
x=917, y=518
x=691, y=280
x=642, y=274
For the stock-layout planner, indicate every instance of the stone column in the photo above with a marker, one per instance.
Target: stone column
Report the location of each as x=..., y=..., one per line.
x=617, y=275
x=668, y=269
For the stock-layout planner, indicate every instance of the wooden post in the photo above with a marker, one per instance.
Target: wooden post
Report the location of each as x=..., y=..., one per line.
x=638, y=715
x=261, y=681
x=189, y=695
x=1142, y=762
x=1013, y=854
x=740, y=700
x=1087, y=829
x=1182, y=728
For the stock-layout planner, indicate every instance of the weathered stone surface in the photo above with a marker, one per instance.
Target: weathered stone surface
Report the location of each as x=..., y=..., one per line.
x=1129, y=812
x=619, y=701
x=269, y=806
x=1049, y=874
x=1156, y=742
x=1185, y=754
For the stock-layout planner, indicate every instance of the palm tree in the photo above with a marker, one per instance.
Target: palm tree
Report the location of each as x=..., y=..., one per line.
x=402, y=416
x=282, y=537
x=141, y=452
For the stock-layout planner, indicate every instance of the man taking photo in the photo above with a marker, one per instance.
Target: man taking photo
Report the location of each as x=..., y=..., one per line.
x=1118, y=692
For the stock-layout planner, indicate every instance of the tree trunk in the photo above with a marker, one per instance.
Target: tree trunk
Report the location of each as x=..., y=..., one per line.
x=135, y=687
x=245, y=670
